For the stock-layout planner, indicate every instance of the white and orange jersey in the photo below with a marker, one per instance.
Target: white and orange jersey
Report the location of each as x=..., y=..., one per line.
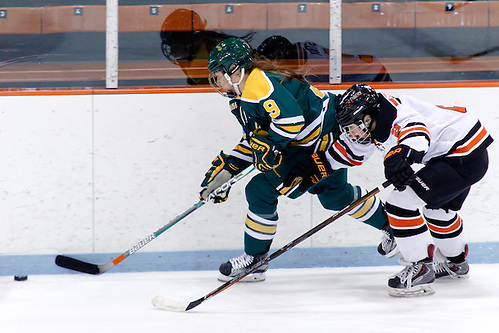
x=344, y=153
x=435, y=130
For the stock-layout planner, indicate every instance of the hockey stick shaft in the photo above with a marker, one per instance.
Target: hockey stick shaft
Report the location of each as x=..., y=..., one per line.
x=85, y=267
x=437, y=52
x=177, y=306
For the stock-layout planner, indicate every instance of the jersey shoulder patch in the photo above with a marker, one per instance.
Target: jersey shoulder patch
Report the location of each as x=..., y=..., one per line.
x=258, y=87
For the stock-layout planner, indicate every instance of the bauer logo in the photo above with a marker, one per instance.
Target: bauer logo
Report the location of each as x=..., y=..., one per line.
x=393, y=152
x=258, y=147
x=320, y=165
x=143, y=242
x=422, y=183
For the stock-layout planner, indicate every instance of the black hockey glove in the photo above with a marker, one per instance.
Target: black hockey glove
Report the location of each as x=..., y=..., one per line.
x=398, y=165
x=214, y=178
x=266, y=155
x=309, y=171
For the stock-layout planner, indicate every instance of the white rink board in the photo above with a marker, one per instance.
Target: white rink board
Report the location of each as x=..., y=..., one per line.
x=96, y=173
x=45, y=174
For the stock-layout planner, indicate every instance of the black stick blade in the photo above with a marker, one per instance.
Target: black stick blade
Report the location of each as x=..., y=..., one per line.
x=77, y=265
x=195, y=303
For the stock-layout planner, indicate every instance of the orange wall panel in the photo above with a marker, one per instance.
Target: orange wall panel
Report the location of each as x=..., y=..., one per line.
x=62, y=19
x=21, y=20
x=247, y=16
x=288, y=16
x=390, y=15
x=465, y=14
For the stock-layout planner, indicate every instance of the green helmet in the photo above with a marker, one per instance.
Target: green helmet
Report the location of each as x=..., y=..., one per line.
x=230, y=55
x=227, y=57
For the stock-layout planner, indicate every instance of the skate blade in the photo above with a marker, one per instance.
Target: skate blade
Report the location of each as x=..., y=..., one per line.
x=416, y=291
x=393, y=252
x=255, y=277
x=453, y=277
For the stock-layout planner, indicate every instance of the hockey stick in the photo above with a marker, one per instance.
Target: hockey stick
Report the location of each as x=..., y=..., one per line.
x=457, y=59
x=85, y=267
x=436, y=52
x=167, y=304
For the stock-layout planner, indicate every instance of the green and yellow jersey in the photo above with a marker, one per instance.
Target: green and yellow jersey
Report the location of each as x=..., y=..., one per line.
x=294, y=113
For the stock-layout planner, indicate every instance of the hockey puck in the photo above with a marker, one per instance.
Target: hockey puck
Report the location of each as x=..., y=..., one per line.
x=20, y=277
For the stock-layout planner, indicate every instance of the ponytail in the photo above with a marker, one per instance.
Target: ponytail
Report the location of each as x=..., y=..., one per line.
x=288, y=73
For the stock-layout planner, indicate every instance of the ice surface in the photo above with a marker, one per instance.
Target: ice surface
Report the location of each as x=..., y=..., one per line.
x=291, y=300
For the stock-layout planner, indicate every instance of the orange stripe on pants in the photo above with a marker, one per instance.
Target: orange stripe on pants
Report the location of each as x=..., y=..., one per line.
x=414, y=222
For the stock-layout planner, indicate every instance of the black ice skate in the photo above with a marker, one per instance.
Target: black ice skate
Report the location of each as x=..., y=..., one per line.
x=414, y=280
x=388, y=246
x=242, y=264
x=446, y=268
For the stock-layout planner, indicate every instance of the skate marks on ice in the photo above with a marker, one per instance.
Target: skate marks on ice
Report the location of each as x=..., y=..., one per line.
x=291, y=300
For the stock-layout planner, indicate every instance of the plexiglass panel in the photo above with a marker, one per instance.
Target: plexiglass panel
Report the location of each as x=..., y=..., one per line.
x=166, y=43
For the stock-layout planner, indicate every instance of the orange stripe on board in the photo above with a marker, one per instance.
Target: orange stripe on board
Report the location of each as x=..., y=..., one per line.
x=412, y=85
x=406, y=223
x=472, y=144
x=207, y=88
x=453, y=227
x=103, y=91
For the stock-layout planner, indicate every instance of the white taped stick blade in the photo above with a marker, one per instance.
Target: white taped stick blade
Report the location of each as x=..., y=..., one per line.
x=168, y=304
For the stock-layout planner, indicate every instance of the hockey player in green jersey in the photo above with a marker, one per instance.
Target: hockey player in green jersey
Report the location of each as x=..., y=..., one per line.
x=285, y=119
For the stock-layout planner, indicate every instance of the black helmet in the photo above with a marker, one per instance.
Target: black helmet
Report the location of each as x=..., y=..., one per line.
x=180, y=40
x=357, y=102
x=277, y=47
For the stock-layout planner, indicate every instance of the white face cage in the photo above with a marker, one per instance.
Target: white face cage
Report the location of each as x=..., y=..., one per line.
x=212, y=78
x=358, y=132
x=214, y=84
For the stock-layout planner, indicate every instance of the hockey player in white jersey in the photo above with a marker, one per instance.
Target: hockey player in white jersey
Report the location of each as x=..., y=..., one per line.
x=449, y=142
x=281, y=51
